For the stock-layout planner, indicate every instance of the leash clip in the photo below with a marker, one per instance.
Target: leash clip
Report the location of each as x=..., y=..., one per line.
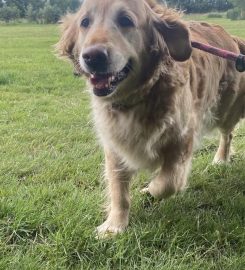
x=240, y=63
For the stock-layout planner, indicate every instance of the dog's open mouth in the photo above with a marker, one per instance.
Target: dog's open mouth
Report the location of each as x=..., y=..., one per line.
x=105, y=83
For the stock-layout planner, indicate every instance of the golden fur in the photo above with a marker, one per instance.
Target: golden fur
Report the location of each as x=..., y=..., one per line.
x=173, y=95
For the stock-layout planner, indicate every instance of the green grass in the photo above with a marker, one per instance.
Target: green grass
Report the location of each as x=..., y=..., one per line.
x=50, y=179
x=233, y=27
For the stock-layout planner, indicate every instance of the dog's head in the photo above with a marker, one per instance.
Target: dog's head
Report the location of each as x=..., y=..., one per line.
x=117, y=44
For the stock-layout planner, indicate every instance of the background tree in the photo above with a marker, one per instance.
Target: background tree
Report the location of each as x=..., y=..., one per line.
x=66, y=5
x=50, y=13
x=9, y=13
x=200, y=6
x=74, y=5
x=43, y=9
x=31, y=13
x=20, y=4
x=39, y=10
x=241, y=5
x=37, y=4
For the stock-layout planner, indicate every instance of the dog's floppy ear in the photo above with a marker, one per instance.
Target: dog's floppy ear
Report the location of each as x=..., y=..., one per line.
x=69, y=33
x=176, y=36
x=175, y=33
x=66, y=47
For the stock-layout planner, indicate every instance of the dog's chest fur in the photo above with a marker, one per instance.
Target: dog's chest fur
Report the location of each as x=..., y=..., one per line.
x=137, y=143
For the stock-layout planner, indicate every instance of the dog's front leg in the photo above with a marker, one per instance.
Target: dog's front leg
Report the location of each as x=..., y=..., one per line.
x=118, y=177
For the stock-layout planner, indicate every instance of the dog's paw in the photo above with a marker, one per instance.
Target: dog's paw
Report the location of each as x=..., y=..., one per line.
x=109, y=229
x=152, y=193
x=148, y=199
x=220, y=160
x=149, y=195
x=145, y=190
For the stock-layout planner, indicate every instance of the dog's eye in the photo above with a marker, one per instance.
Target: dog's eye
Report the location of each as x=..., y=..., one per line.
x=85, y=22
x=125, y=21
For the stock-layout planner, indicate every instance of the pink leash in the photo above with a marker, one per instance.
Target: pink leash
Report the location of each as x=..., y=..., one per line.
x=239, y=59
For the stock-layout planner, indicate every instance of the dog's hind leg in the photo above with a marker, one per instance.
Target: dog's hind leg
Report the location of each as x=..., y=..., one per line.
x=223, y=153
x=236, y=112
x=118, y=177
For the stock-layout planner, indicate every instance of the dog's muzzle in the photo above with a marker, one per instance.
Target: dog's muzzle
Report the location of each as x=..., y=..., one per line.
x=105, y=82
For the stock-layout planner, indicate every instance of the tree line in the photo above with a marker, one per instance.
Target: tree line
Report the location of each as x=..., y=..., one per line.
x=201, y=6
x=235, y=8
x=50, y=11
x=42, y=11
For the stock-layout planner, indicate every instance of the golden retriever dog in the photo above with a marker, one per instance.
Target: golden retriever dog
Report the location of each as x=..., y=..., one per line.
x=153, y=96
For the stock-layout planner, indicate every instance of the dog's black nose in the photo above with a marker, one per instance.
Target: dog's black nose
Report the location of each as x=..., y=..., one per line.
x=96, y=58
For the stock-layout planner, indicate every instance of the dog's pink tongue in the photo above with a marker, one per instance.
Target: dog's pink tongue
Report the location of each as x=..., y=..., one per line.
x=99, y=82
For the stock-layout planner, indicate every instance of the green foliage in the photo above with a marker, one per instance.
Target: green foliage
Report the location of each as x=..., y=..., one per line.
x=20, y=4
x=215, y=15
x=50, y=14
x=242, y=14
x=200, y=6
x=239, y=7
x=43, y=10
x=9, y=13
x=36, y=10
x=239, y=3
x=65, y=5
x=233, y=14
x=37, y=5
x=74, y=4
x=31, y=14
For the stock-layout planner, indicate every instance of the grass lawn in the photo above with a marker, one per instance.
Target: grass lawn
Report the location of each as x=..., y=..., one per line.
x=51, y=170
